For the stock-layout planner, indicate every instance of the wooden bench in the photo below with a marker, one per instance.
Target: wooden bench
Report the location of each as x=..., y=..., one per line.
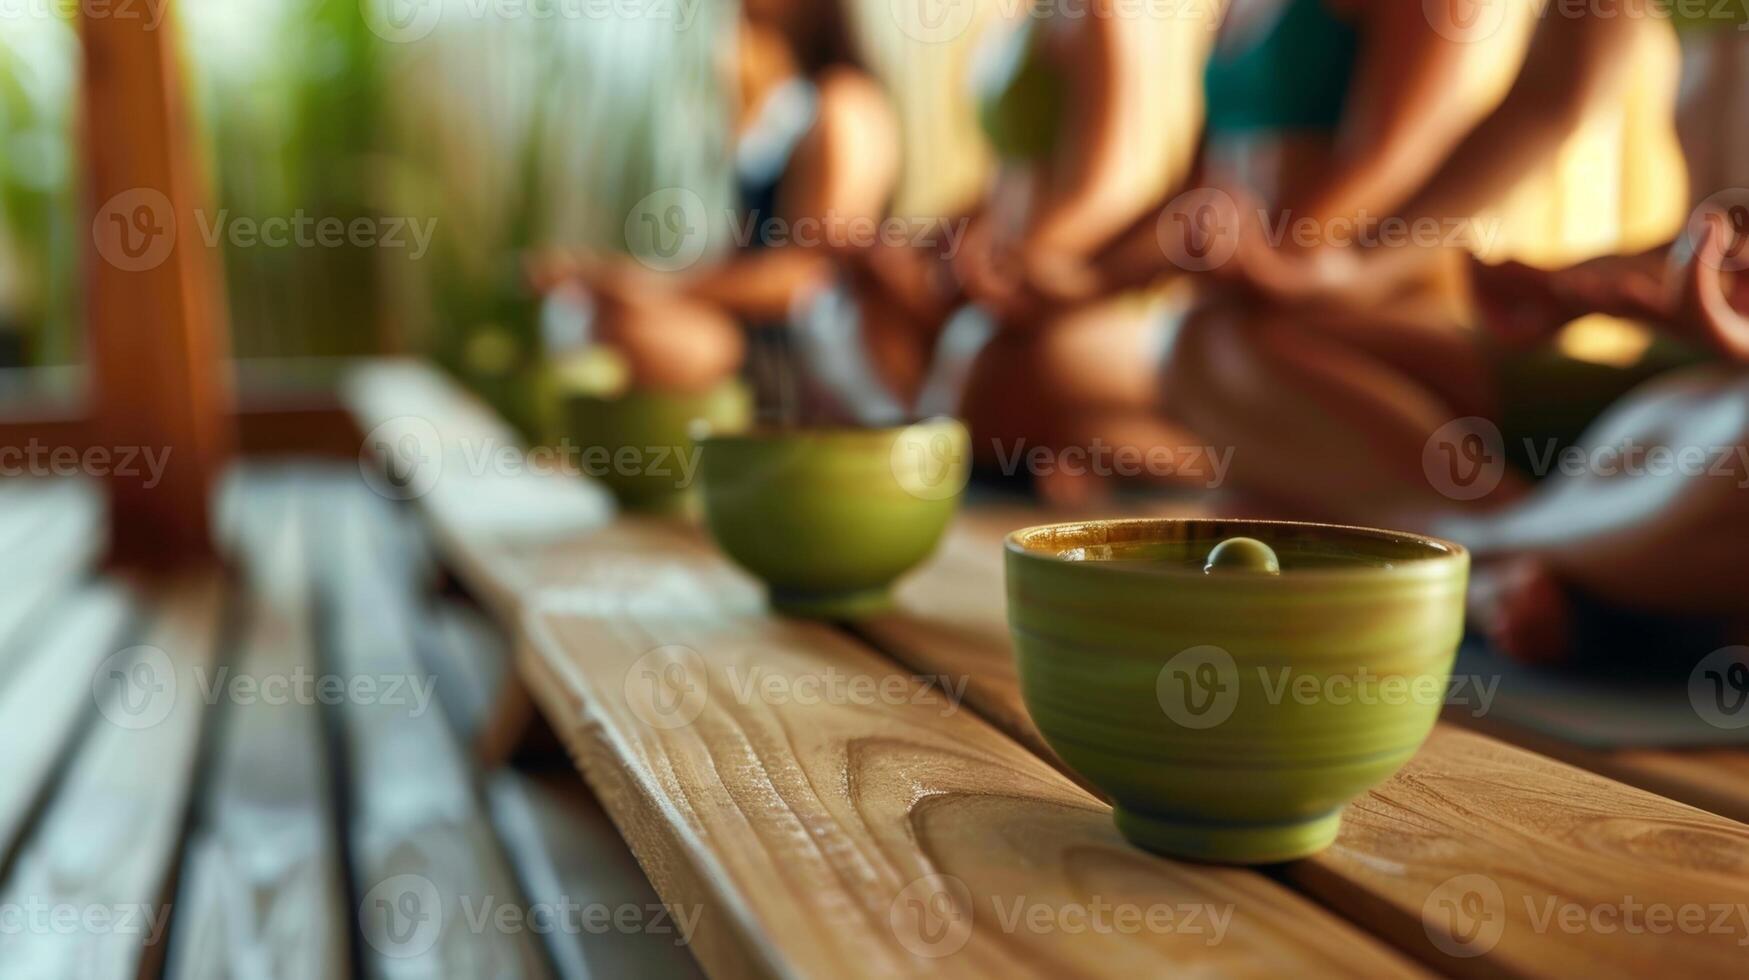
x=217, y=826
x=860, y=838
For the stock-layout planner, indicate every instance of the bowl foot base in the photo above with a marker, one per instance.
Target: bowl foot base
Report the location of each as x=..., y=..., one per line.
x=1229, y=843
x=831, y=605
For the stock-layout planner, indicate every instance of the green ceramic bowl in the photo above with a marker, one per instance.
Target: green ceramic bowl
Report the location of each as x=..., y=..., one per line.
x=640, y=444
x=1231, y=713
x=828, y=518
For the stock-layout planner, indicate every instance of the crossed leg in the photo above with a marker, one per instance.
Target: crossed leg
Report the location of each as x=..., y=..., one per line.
x=1328, y=414
x=1332, y=421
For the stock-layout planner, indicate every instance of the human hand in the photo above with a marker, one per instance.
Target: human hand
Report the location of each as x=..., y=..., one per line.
x=1712, y=299
x=1523, y=306
x=989, y=271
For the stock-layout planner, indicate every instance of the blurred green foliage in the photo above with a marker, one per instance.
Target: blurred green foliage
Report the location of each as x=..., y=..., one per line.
x=507, y=128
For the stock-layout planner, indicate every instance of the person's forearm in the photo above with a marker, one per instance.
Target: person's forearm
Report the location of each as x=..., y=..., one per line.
x=1411, y=101
x=1087, y=198
x=1573, y=66
x=1136, y=259
x=760, y=286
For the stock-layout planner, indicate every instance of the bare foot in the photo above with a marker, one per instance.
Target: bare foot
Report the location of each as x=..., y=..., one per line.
x=1523, y=610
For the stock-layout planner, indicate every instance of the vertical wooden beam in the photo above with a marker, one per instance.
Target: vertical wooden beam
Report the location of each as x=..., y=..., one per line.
x=155, y=314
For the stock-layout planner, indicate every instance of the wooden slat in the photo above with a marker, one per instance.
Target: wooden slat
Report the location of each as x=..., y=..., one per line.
x=568, y=854
x=49, y=539
x=262, y=891
x=105, y=844
x=46, y=693
x=1539, y=830
x=468, y=660
x=1713, y=779
x=425, y=860
x=1475, y=845
x=805, y=827
x=504, y=527
x=504, y=535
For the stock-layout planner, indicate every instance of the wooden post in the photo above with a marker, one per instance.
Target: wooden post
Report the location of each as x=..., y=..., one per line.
x=155, y=314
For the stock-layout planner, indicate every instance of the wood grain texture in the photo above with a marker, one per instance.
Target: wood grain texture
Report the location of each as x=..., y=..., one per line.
x=1541, y=831
x=425, y=861
x=1714, y=779
x=828, y=815
x=1489, y=860
x=104, y=846
x=262, y=891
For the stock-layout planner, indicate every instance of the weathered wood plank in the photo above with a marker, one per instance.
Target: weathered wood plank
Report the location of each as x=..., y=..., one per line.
x=262, y=891
x=50, y=538
x=569, y=856
x=830, y=816
x=467, y=658
x=1541, y=832
x=425, y=861
x=104, y=846
x=46, y=694
x=497, y=518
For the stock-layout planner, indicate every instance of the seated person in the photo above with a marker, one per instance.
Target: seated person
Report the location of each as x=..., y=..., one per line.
x=817, y=149
x=1340, y=407
x=1065, y=99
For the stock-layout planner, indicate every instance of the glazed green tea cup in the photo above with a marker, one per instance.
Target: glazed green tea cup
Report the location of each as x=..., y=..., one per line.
x=1232, y=685
x=640, y=443
x=829, y=518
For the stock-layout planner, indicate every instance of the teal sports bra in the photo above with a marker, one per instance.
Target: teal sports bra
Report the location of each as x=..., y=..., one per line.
x=1293, y=76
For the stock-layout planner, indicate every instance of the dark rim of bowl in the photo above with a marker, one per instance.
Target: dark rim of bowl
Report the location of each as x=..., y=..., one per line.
x=1434, y=554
